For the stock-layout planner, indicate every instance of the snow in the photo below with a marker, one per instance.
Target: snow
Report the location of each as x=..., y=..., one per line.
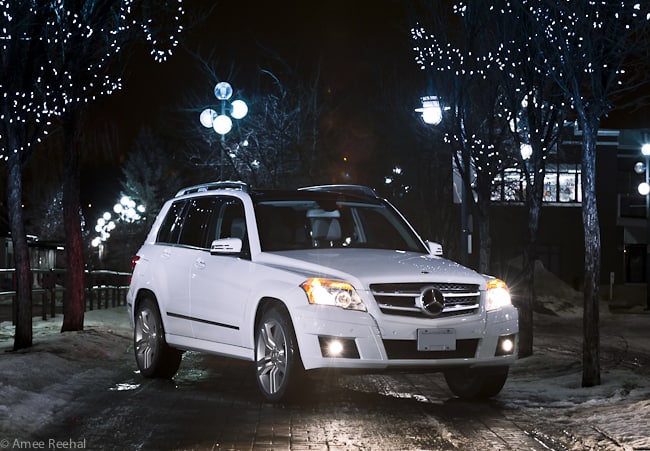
x=37, y=382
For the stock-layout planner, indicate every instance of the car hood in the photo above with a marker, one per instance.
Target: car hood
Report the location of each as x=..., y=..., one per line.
x=372, y=266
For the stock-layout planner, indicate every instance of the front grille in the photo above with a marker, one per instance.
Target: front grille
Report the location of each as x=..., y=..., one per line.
x=408, y=349
x=400, y=298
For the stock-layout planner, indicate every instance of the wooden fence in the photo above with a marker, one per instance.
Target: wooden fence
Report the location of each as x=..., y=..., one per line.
x=104, y=289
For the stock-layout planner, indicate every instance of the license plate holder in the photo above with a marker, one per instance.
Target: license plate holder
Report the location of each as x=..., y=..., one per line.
x=436, y=339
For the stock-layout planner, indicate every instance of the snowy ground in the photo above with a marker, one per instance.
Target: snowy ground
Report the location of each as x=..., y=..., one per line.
x=35, y=383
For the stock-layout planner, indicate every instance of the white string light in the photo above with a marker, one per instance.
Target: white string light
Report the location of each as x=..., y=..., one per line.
x=54, y=32
x=561, y=30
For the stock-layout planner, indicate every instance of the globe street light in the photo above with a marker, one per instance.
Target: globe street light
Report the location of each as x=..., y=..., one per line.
x=105, y=225
x=127, y=210
x=221, y=121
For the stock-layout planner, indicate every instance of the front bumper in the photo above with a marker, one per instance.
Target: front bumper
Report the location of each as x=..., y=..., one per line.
x=330, y=337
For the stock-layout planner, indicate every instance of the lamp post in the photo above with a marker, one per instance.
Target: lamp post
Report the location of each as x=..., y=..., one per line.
x=221, y=122
x=127, y=210
x=431, y=111
x=644, y=190
x=105, y=225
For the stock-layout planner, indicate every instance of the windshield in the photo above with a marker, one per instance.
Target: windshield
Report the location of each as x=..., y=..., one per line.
x=309, y=224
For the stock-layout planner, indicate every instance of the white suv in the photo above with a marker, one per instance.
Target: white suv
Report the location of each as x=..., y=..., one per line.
x=325, y=277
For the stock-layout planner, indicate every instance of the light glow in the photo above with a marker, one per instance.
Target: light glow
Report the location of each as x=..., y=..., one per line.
x=222, y=124
x=644, y=188
x=239, y=109
x=507, y=345
x=498, y=294
x=431, y=110
x=334, y=348
x=207, y=117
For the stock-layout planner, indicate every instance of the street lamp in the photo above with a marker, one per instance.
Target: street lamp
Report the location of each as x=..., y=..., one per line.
x=221, y=121
x=431, y=110
x=105, y=225
x=127, y=210
x=644, y=190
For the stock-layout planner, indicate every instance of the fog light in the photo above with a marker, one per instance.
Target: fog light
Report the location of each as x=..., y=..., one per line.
x=334, y=348
x=506, y=345
x=337, y=347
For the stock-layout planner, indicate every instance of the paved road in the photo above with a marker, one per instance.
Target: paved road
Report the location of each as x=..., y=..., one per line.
x=213, y=403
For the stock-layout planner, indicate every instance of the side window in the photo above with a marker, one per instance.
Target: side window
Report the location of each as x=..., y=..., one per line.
x=197, y=221
x=171, y=225
x=232, y=221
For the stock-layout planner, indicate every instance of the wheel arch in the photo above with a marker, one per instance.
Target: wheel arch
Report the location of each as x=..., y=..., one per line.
x=145, y=293
x=267, y=303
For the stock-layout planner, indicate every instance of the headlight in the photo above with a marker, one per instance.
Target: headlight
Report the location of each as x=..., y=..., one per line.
x=332, y=292
x=498, y=294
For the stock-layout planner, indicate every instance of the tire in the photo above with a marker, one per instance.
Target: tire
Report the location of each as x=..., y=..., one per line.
x=154, y=357
x=277, y=359
x=476, y=383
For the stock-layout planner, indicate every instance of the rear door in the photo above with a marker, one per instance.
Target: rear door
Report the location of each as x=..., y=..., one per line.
x=170, y=269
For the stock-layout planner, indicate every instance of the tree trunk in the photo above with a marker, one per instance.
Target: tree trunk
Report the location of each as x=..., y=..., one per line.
x=485, y=238
x=527, y=306
x=591, y=343
x=74, y=301
x=23, y=273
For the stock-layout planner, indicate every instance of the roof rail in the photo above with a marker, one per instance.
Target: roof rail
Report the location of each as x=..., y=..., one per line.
x=358, y=190
x=227, y=184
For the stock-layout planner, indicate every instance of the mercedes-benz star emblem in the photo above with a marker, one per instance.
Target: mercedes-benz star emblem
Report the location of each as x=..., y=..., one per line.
x=431, y=301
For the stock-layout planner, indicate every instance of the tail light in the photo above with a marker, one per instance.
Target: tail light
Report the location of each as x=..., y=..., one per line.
x=133, y=263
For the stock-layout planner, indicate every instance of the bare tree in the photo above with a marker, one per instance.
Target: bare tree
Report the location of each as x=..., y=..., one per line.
x=25, y=103
x=277, y=144
x=145, y=172
x=536, y=108
x=475, y=122
x=55, y=58
x=86, y=38
x=596, y=53
x=593, y=53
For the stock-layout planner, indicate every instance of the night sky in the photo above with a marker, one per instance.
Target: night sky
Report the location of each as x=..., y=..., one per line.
x=348, y=37
x=352, y=40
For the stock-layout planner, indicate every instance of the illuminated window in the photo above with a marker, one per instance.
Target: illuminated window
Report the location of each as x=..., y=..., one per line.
x=562, y=184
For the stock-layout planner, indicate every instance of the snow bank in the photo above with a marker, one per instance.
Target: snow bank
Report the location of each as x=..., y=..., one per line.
x=38, y=382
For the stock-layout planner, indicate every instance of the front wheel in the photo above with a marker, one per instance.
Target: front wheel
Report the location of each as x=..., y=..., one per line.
x=277, y=358
x=154, y=357
x=476, y=383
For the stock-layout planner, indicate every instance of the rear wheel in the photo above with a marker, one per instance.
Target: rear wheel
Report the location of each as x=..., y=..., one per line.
x=277, y=358
x=476, y=383
x=154, y=357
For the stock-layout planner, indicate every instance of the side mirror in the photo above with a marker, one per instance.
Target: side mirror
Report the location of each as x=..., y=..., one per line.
x=226, y=246
x=434, y=248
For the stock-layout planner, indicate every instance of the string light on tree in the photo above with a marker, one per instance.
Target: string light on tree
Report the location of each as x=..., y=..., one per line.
x=63, y=29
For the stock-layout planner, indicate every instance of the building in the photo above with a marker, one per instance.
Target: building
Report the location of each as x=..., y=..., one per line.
x=621, y=209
